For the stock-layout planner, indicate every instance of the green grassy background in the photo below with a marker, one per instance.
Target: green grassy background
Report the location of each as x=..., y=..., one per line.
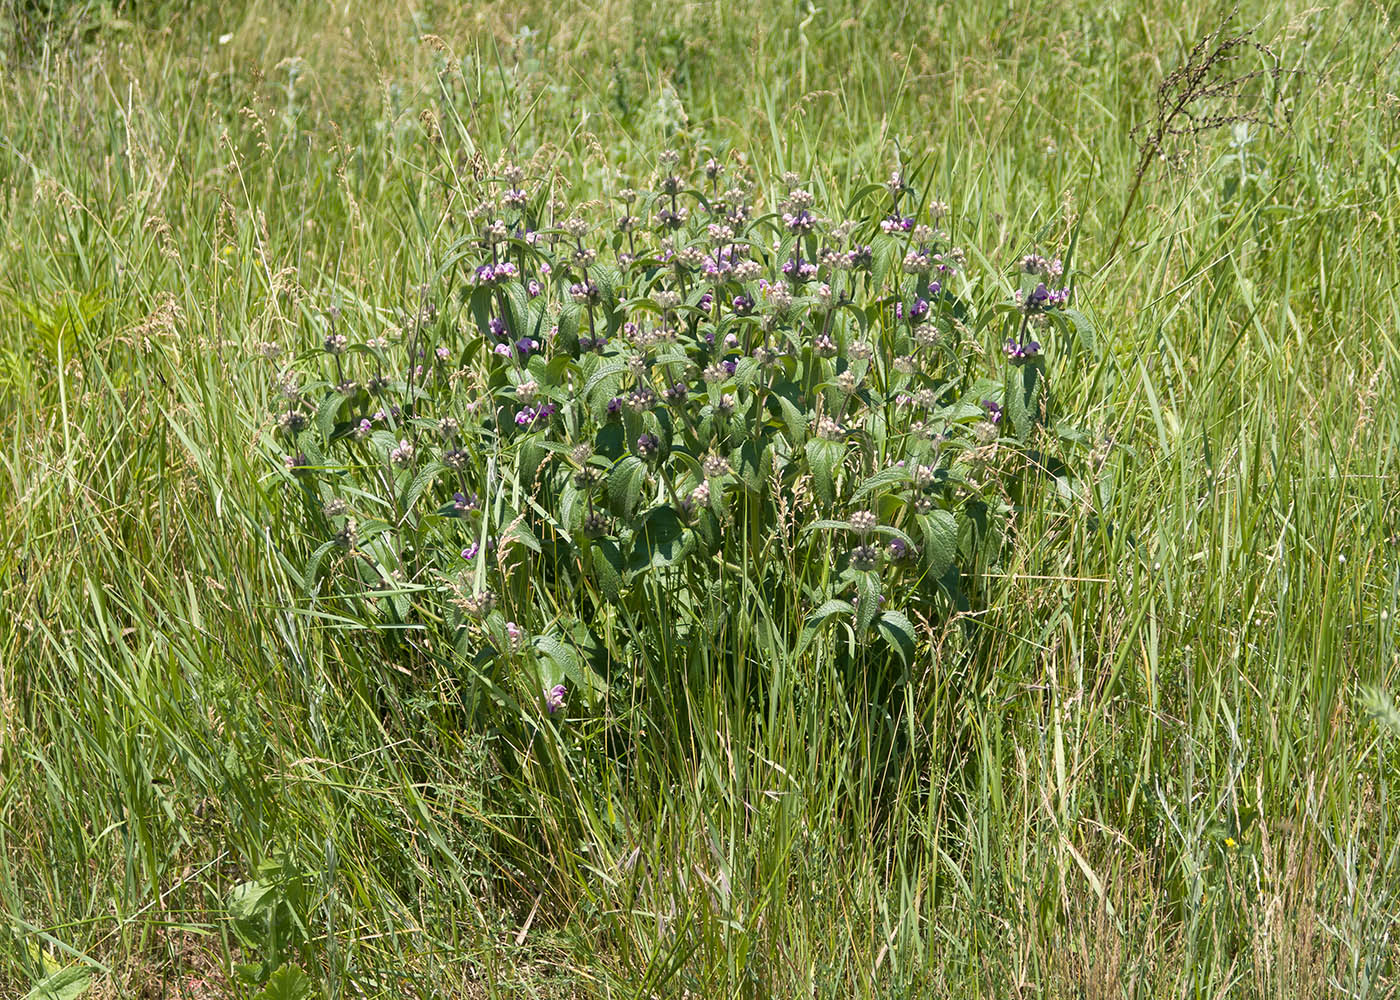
x=1158, y=761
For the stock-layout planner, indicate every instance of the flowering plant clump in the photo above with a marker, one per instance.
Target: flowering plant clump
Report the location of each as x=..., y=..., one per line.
x=680, y=405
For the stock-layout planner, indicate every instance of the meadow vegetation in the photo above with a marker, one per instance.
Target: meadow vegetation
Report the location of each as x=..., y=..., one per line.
x=740, y=605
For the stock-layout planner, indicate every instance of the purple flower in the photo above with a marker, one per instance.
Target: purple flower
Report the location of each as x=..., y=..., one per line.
x=497, y=326
x=742, y=304
x=799, y=269
x=647, y=445
x=993, y=411
x=918, y=309
x=614, y=406
x=668, y=219
x=470, y=552
x=554, y=698
x=534, y=288
x=721, y=262
x=1042, y=298
x=530, y=415
x=584, y=292
x=402, y=454
x=1019, y=354
x=800, y=221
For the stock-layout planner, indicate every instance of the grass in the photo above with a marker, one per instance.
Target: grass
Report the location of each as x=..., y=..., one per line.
x=1159, y=759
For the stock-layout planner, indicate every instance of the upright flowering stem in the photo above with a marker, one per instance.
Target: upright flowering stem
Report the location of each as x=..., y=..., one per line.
x=413, y=354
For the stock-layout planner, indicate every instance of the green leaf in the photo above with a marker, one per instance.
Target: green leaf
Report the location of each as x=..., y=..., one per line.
x=611, y=370
x=824, y=457
x=819, y=617
x=610, y=442
x=868, y=587
x=1083, y=329
x=890, y=531
x=746, y=372
x=886, y=253
x=573, y=507
x=886, y=477
x=568, y=666
x=607, y=569
x=569, y=319
x=607, y=278
x=521, y=533
x=661, y=541
x=248, y=899
x=1023, y=399
x=287, y=983
x=326, y=412
x=65, y=984
x=421, y=482
x=313, y=566
x=899, y=630
x=565, y=659
x=829, y=608
x=826, y=524
x=752, y=461
x=247, y=903
x=522, y=324
x=940, y=532
x=625, y=485
x=794, y=420
x=481, y=308
x=863, y=192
